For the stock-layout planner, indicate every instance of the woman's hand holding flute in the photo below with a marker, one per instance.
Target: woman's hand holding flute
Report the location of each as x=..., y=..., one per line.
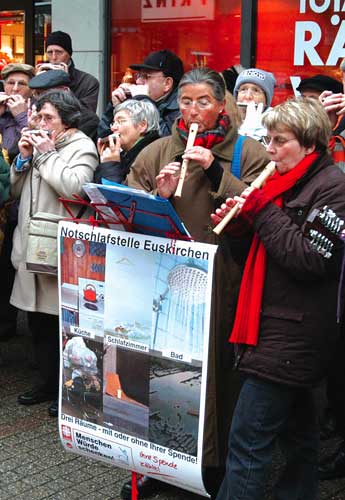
x=232, y=206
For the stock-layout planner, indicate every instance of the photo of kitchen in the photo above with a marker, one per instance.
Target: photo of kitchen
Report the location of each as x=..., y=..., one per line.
x=82, y=285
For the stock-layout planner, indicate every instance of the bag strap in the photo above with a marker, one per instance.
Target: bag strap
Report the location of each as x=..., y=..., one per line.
x=31, y=192
x=236, y=156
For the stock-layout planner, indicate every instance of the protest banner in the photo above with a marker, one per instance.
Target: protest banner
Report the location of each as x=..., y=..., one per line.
x=135, y=314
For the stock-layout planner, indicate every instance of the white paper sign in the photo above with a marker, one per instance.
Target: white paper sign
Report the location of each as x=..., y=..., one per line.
x=176, y=10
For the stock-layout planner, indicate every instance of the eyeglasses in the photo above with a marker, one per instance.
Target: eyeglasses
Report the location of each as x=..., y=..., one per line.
x=58, y=52
x=146, y=76
x=253, y=90
x=200, y=104
x=12, y=83
x=119, y=122
x=278, y=142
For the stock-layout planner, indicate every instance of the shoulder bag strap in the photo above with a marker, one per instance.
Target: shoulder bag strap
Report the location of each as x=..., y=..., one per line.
x=236, y=157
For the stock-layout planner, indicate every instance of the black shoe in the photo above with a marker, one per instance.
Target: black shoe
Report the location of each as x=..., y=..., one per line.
x=146, y=487
x=35, y=396
x=53, y=410
x=334, y=467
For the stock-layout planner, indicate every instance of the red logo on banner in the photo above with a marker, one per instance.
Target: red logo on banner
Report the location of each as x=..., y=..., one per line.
x=66, y=432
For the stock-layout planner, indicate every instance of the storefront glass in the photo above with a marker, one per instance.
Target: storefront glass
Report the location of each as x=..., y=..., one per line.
x=299, y=38
x=11, y=37
x=200, y=32
x=42, y=28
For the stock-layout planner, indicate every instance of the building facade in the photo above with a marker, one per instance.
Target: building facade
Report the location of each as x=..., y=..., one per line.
x=291, y=38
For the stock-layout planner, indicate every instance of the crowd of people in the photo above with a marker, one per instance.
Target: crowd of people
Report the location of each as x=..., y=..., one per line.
x=277, y=301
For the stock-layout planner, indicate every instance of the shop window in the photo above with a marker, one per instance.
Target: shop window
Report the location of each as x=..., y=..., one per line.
x=42, y=29
x=200, y=32
x=299, y=38
x=11, y=37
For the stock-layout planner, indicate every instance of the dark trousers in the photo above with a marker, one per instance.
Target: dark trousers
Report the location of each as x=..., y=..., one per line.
x=335, y=386
x=8, y=313
x=45, y=336
x=266, y=413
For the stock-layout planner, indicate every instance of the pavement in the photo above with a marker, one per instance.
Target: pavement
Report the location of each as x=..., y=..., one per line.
x=33, y=464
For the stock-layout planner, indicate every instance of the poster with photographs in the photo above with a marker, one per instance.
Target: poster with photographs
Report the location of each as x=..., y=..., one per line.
x=135, y=315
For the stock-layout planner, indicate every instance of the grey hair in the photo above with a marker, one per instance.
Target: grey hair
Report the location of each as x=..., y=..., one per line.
x=139, y=111
x=305, y=118
x=204, y=75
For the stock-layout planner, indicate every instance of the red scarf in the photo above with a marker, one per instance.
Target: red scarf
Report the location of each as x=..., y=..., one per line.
x=247, y=319
x=208, y=138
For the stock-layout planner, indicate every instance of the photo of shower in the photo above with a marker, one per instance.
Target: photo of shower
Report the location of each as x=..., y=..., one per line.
x=178, y=308
x=174, y=405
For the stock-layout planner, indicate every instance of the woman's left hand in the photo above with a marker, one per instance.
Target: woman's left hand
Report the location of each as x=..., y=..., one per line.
x=221, y=212
x=200, y=155
x=42, y=142
x=110, y=151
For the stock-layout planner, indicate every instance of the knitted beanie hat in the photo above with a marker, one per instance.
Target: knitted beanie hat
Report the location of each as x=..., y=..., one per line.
x=61, y=39
x=259, y=77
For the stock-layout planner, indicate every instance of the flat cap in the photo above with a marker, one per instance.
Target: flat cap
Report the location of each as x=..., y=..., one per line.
x=50, y=79
x=17, y=68
x=321, y=83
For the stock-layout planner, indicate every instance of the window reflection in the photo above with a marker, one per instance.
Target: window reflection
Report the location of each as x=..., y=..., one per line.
x=42, y=28
x=11, y=37
x=209, y=37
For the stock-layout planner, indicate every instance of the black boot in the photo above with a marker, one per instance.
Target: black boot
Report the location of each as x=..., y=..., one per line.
x=53, y=410
x=146, y=487
x=333, y=467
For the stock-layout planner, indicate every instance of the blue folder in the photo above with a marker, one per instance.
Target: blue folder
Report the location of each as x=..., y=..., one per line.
x=151, y=214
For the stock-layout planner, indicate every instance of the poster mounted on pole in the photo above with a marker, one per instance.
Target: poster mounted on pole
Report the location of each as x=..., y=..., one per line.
x=134, y=327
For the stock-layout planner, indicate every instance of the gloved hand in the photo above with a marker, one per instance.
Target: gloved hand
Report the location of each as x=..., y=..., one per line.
x=251, y=125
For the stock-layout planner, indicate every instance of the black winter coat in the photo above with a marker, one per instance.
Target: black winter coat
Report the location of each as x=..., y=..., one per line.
x=84, y=86
x=298, y=327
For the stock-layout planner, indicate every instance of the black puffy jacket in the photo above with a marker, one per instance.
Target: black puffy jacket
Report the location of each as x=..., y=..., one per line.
x=298, y=326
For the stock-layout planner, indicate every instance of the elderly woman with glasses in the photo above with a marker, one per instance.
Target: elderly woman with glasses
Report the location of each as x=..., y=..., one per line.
x=135, y=125
x=54, y=161
x=285, y=327
x=210, y=179
x=253, y=91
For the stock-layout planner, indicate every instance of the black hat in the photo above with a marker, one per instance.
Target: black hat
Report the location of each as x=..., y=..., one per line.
x=50, y=79
x=321, y=83
x=162, y=60
x=61, y=39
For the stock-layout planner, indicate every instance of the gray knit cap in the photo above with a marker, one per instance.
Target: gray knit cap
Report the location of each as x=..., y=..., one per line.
x=259, y=77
